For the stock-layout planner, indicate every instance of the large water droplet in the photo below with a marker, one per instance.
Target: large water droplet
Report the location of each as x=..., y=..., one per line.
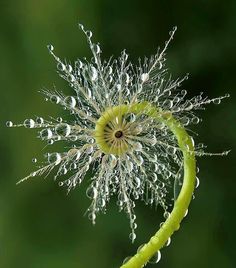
x=126, y=259
x=9, y=124
x=61, y=67
x=70, y=101
x=63, y=129
x=34, y=160
x=94, y=73
x=29, y=123
x=155, y=258
x=144, y=77
x=137, y=146
x=217, y=101
x=55, y=99
x=45, y=134
x=39, y=120
x=132, y=236
x=54, y=158
x=50, y=47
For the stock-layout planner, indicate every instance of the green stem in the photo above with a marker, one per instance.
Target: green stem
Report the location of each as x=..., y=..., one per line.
x=172, y=224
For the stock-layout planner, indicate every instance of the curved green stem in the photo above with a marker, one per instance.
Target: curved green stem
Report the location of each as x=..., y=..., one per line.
x=172, y=224
x=186, y=145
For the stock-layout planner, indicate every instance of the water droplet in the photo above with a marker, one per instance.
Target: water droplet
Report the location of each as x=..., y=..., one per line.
x=186, y=213
x=89, y=34
x=64, y=172
x=9, y=124
x=137, y=146
x=94, y=73
x=55, y=99
x=195, y=120
x=132, y=236
x=50, y=47
x=69, y=68
x=34, y=160
x=71, y=78
x=50, y=142
x=144, y=77
x=97, y=49
x=54, y=158
x=217, y=101
x=91, y=192
x=168, y=242
x=130, y=166
x=45, y=134
x=118, y=86
x=126, y=259
x=63, y=129
x=113, y=161
x=139, y=160
x=155, y=258
x=197, y=182
x=39, y=120
x=61, y=67
x=29, y=123
x=89, y=150
x=70, y=101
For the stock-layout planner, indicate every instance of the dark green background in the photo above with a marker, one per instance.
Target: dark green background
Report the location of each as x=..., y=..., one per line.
x=42, y=227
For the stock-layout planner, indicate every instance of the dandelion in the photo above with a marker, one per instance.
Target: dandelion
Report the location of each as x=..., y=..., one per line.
x=128, y=128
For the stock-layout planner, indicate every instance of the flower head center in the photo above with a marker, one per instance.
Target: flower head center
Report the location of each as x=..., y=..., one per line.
x=118, y=134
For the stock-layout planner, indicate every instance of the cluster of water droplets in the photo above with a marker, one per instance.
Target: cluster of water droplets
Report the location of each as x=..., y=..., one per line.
x=152, y=164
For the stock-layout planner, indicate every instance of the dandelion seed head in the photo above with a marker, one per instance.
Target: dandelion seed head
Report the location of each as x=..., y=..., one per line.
x=132, y=154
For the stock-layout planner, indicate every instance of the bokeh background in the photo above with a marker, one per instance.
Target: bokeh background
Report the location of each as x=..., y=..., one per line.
x=42, y=227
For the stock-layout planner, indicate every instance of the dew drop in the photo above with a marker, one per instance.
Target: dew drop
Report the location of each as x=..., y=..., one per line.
x=126, y=259
x=217, y=101
x=144, y=77
x=71, y=78
x=63, y=129
x=69, y=68
x=168, y=242
x=70, y=101
x=155, y=258
x=61, y=67
x=50, y=47
x=39, y=120
x=29, y=123
x=197, y=182
x=97, y=49
x=34, y=160
x=54, y=158
x=91, y=192
x=89, y=34
x=94, y=73
x=137, y=146
x=55, y=99
x=132, y=236
x=45, y=134
x=9, y=124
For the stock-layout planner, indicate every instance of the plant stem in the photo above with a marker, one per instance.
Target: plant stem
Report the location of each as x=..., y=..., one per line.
x=172, y=223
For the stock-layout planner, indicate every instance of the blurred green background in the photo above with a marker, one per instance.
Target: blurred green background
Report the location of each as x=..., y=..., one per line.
x=40, y=226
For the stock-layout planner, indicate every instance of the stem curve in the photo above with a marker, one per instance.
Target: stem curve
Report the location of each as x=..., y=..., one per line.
x=172, y=223
x=186, y=145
